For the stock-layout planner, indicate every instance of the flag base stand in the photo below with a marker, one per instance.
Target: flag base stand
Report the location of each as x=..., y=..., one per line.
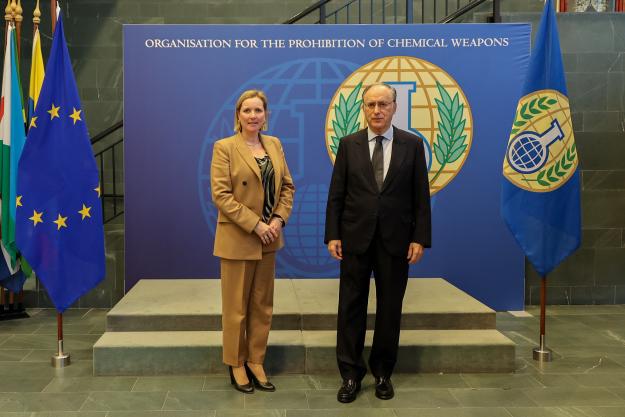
x=14, y=315
x=542, y=354
x=61, y=359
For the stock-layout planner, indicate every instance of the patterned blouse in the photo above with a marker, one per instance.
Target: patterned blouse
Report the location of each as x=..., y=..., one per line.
x=269, y=184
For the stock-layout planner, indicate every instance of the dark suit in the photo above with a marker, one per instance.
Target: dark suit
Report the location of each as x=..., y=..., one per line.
x=375, y=228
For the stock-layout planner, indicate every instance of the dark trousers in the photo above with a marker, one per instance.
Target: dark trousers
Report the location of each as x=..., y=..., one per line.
x=391, y=278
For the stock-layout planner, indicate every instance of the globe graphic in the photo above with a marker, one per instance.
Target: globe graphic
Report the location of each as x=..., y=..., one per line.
x=527, y=153
x=299, y=92
x=307, y=226
x=423, y=118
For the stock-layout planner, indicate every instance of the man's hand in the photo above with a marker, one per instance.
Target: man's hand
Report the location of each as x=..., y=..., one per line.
x=335, y=249
x=415, y=252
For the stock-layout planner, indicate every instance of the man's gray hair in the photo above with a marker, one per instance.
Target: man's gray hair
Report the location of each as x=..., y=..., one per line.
x=367, y=88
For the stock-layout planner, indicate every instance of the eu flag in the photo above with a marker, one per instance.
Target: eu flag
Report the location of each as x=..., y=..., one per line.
x=59, y=221
x=541, y=189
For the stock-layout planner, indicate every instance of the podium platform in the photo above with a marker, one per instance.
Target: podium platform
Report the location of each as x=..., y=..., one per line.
x=172, y=327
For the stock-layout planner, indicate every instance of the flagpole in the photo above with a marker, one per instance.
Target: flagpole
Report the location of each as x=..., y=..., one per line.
x=16, y=11
x=8, y=17
x=542, y=353
x=12, y=6
x=36, y=18
x=18, y=28
x=53, y=13
x=61, y=359
x=18, y=17
x=36, y=21
x=36, y=68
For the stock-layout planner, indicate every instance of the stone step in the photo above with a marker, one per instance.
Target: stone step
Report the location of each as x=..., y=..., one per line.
x=292, y=351
x=299, y=304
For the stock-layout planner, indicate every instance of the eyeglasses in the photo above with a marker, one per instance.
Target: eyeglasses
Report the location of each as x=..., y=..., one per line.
x=382, y=105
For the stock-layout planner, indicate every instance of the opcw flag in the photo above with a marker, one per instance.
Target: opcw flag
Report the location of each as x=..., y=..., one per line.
x=541, y=190
x=13, y=136
x=36, y=75
x=59, y=223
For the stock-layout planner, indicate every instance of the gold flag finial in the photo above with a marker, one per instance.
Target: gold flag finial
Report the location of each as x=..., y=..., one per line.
x=37, y=14
x=19, y=11
x=8, y=16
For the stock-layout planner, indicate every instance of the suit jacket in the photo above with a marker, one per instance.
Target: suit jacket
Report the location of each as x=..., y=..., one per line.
x=237, y=191
x=401, y=209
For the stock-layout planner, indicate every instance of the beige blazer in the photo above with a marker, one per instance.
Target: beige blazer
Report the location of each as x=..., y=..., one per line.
x=237, y=191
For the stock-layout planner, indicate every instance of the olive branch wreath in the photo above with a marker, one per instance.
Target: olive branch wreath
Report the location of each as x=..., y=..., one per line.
x=548, y=176
x=450, y=137
x=527, y=112
x=345, y=120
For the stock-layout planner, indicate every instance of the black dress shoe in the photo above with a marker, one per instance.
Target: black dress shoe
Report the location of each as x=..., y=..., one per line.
x=245, y=388
x=384, y=388
x=263, y=386
x=347, y=392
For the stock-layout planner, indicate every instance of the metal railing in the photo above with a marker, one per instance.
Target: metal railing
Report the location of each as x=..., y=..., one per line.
x=109, y=159
x=389, y=11
x=496, y=16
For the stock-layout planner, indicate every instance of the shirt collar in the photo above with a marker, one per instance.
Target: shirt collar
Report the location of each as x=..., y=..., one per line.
x=387, y=135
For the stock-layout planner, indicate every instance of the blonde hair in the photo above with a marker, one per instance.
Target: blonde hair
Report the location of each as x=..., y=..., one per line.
x=249, y=94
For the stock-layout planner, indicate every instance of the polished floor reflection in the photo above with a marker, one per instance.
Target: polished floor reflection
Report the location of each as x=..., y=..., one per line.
x=586, y=378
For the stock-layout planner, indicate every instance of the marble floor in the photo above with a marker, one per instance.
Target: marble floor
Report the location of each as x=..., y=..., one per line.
x=586, y=378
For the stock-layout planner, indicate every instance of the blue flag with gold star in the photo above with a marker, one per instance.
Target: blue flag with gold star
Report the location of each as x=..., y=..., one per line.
x=59, y=222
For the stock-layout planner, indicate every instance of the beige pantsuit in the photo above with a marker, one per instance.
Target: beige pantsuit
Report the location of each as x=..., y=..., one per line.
x=247, y=267
x=247, y=303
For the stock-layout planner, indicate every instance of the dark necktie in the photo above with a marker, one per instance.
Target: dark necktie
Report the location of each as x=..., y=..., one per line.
x=377, y=160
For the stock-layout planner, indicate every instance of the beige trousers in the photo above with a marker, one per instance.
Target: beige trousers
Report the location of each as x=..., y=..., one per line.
x=247, y=307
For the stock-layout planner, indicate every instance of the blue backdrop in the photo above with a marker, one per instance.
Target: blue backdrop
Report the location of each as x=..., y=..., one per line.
x=181, y=84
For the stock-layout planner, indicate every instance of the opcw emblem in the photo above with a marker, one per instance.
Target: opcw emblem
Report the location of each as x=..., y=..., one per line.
x=541, y=154
x=430, y=104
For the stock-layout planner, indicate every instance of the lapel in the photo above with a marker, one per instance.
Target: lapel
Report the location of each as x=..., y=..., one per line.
x=397, y=157
x=276, y=161
x=364, y=155
x=246, y=154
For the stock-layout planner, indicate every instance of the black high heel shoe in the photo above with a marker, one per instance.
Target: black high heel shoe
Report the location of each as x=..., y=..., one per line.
x=263, y=386
x=245, y=388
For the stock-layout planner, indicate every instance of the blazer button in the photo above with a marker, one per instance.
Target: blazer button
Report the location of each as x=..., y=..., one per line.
x=244, y=182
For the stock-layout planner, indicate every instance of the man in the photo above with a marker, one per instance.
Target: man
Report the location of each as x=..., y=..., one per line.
x=377, y=220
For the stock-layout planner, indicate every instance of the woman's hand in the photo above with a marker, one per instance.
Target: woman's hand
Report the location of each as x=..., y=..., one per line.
x=266, y=234
x=276, y=225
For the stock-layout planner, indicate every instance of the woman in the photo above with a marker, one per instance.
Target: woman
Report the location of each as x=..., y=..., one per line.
x=253, y=191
